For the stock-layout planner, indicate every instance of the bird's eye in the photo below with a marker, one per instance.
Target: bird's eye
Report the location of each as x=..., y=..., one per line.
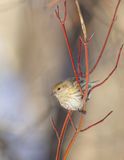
x=58, y=88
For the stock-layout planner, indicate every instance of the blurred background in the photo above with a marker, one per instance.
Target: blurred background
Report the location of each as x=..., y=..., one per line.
x=33, y=57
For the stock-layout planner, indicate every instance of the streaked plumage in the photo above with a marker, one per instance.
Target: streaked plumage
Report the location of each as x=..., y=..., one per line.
x=69, y=95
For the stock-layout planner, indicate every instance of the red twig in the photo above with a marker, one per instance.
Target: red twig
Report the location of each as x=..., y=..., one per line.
x=70, y=52
x=73, y=138
x=78, y=131
x=62, y=22
x=116, y=65
x=94, y=124
x=58, y=13
x=79, y=57
x=85, y=43
x=84, y=101
x=65, y=14
x=54, y=127
x=107, y=37
x=77, y=74
x=72, y=123
x=86, y=74
x=62, y=135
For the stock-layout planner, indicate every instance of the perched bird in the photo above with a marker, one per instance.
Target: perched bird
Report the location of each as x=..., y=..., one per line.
x=69, y=95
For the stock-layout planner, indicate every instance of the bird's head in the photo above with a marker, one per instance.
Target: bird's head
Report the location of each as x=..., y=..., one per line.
x=61, y=89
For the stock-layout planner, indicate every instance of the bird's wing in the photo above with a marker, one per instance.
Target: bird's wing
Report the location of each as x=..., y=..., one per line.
x=83, y=82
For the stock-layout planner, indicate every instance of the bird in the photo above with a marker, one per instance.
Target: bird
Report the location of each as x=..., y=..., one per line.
x=69, y=95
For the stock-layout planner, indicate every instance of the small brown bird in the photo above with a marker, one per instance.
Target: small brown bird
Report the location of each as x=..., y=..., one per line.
x=69, y=95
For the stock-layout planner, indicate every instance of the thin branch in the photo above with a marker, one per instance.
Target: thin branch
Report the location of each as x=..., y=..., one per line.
x=87, y=70
x=73, y=138
x=90, y=38
x=62, y=22
x=72, y=123
x=79, y=57
x=94, y=124
x=83, y=26
x=65, y=13
x=54, y=128
x=78, y=130
x=62, y=134
x=84, y=101
x=107, y=37
x=86, y=74
x=110, y=74
x=58, y=13
x=76, y=76
x=70, y=52
x=86, y=43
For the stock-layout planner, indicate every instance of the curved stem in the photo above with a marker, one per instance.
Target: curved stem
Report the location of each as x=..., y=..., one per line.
x=54, y=128
x=94, y=124
x=79, y=57
x=107, y=37
x=84, y=101
x=110, y=74
x=73, y=139
x=62, y=134
x=86, y=75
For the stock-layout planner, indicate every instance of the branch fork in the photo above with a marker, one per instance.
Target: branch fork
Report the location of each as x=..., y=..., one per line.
x=78, y=73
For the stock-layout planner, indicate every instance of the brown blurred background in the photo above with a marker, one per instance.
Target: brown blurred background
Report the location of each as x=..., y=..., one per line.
x=33, y=57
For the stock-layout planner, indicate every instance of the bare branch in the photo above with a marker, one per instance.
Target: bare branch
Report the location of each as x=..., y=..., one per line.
x=54, y=127
x=83, y=26
x=72, y=123
x=107, y=37
x=94, y=124
x=110, y=74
